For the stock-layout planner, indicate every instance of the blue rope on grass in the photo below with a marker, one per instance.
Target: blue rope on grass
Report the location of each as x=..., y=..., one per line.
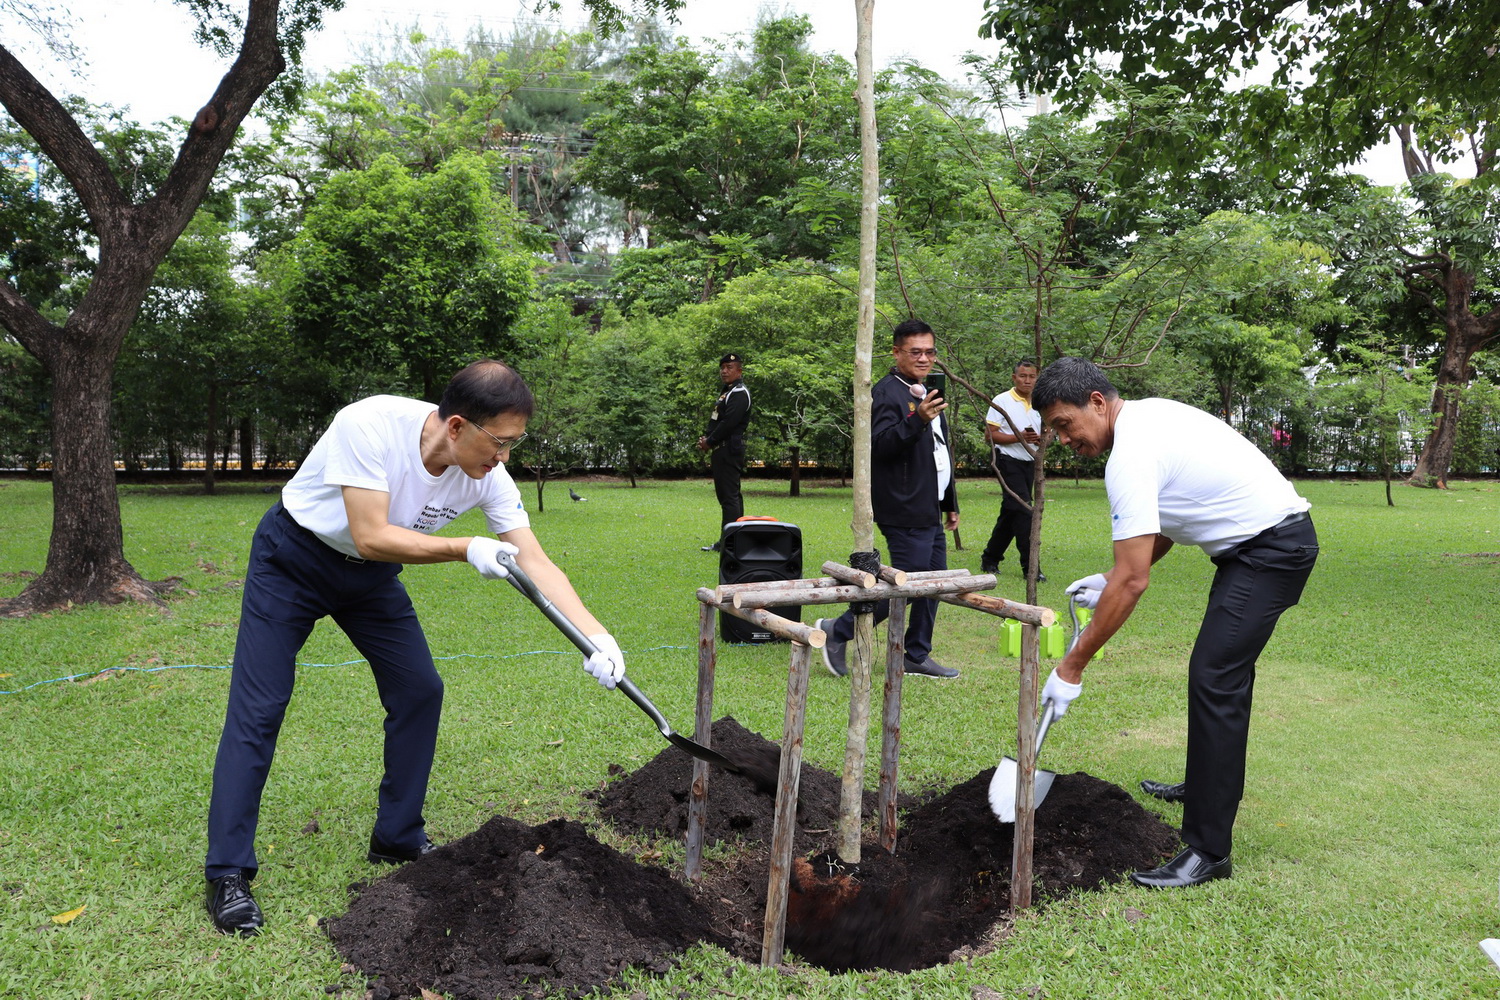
x=346, y=663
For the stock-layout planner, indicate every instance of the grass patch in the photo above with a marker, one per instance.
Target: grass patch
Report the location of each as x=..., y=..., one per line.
x=1366, y=850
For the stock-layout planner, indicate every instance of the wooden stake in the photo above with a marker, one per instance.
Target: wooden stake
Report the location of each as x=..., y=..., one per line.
x=1025, y=831
x=848, y=592
x=890, y=728
x=784, y=826
x=782, y=628
x=1026, y=614
x=702, y=734
x=897, y=576
x=848, y=574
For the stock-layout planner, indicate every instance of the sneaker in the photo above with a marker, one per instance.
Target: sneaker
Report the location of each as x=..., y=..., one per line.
x=928, y=668
x=834, y=652
x=380, y=854
x=1040, y=576
x=233, y=909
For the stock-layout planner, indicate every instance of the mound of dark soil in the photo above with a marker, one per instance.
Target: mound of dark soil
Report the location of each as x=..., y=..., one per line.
x=512, y=911
x=949, y=881
x=654, y=799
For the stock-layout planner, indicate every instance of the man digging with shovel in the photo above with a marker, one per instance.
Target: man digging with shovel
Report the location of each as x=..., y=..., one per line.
x=1177, y=474
x=385, y=475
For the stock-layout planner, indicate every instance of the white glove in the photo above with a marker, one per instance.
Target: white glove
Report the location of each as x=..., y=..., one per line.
x=484, y=555
x=1085, y=592
x=1060, y=693
x=607, y=666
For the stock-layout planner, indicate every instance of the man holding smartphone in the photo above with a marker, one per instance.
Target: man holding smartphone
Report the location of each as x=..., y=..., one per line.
x=911, y=489
x=1015, y=441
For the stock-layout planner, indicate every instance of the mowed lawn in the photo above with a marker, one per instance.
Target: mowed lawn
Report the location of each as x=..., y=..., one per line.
x=1367, y=852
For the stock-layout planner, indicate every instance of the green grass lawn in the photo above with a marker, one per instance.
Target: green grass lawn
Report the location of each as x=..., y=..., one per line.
x=1366, y=855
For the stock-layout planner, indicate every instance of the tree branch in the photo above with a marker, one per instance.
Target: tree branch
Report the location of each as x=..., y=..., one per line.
x=48, y=122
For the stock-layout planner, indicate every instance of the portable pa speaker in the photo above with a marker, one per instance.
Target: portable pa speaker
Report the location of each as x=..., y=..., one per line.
x=756, y=551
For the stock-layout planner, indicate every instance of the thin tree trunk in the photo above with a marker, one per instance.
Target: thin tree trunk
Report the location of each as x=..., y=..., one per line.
x=863, y=525
x=796, y=484
x=211, y=439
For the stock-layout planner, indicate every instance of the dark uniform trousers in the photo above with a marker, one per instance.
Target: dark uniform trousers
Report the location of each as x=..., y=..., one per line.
x=1014, y=522
x=913, y=550
x=1255, y=582
x=293, y=580
x=727, y=464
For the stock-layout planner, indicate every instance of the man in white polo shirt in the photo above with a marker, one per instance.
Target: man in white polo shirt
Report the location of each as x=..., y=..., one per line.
x=386, y=474
x=1016, y=440
x=1177, y=474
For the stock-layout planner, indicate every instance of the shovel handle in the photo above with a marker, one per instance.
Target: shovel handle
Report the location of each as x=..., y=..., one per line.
x=574, y=634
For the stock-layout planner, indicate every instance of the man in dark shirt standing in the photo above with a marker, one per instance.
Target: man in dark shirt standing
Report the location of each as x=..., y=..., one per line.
x=726, y=436
x=912, y=492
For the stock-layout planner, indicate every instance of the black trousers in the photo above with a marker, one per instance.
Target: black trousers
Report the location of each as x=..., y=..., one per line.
x=728, y=463
x=292, y=581
x=1014, y=522
x=914, y=550
x=1256, y=581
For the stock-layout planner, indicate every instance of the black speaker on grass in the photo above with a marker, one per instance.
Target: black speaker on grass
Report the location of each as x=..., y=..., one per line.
x=758, y=551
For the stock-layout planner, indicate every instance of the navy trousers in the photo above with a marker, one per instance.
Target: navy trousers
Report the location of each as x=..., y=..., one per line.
x=1255, y=582
x=914, y=550
x=728, y=464
x=1014, y=522
x=293, y=580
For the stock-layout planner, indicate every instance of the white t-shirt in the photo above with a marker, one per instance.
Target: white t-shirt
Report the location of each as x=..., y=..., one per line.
x=1183, y=473
x=376, y=444
x=1022, y=413
x=940, y=457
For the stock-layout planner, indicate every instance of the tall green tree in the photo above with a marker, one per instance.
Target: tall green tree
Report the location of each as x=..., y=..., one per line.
x=415, y=274
x=1344, y=76
x=704, y=147
x=133, y=232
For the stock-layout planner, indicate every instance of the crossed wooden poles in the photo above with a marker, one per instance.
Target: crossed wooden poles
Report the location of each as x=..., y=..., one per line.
x=844, y=585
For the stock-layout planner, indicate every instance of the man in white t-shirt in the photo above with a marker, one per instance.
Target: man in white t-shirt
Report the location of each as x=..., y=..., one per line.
x=386, y=474
x=1177, y=474
x=1015, y=441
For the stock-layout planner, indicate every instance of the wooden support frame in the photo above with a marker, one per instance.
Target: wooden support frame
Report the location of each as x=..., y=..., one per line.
x=749, y=601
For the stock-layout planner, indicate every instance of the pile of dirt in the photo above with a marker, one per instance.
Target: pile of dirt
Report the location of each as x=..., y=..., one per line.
x=949, y=881
x=654, y=799
x=516, y=911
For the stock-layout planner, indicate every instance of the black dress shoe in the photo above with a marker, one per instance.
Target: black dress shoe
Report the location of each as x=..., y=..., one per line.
x=233, y=908
x=1164, y=791
x=1189, y=868
x=380, y=854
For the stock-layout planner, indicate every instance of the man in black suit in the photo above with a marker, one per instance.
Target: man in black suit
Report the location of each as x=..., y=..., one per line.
x=726, y=436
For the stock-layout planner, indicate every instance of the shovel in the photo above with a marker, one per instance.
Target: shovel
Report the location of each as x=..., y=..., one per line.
x=1008, y=776
x=1007, y=772
x=763, y=774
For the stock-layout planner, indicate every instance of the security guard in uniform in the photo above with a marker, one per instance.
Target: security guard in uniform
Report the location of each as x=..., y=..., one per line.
x=726, y=436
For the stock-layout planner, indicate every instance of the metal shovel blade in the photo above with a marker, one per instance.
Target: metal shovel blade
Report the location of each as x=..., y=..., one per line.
x=1008, y=775
x=1003, y=788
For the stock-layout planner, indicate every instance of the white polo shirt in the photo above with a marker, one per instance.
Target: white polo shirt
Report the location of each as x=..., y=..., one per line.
x=1023, y=413
x=1183, y=473
x=376, y=444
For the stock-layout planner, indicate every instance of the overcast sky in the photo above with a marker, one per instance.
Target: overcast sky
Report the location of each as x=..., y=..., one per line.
x=141, y=53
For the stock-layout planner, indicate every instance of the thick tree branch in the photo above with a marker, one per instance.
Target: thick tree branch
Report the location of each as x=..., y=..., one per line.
x=49, y=123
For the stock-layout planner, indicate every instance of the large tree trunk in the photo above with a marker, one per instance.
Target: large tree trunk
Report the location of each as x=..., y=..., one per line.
x=86, y=556
x=795, y=489
x=1466, y=334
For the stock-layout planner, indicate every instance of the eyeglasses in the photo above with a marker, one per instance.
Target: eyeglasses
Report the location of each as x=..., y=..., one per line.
x=921, y=352
x=501, y=444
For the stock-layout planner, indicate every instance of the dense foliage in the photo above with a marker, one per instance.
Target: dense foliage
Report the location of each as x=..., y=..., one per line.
x=612, y=214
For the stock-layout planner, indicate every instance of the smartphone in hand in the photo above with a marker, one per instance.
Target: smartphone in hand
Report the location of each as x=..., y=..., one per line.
x=936, y=382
